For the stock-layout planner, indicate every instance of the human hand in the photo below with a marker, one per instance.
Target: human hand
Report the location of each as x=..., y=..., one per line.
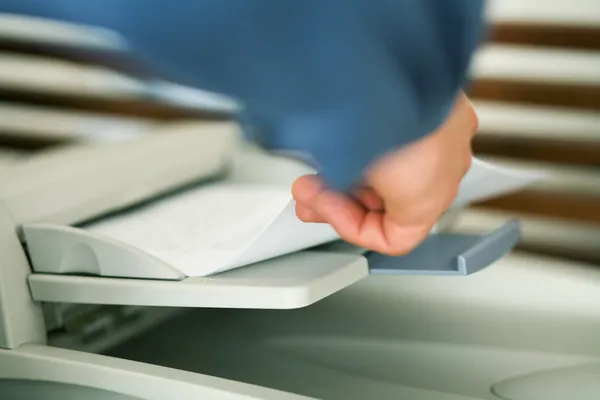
x=404, y=193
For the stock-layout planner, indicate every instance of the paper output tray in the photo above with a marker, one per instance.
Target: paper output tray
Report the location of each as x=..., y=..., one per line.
x=59, y=249
x=287, y=282
x=292, y=281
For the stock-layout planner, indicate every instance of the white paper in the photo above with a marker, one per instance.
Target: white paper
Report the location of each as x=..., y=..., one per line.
x=485, y=180
x=216, y=227
x=250, y=217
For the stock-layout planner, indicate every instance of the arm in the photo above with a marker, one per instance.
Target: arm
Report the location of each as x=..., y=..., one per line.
x=344, y=80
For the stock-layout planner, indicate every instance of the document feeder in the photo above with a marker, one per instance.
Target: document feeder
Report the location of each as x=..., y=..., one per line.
x=50, y=258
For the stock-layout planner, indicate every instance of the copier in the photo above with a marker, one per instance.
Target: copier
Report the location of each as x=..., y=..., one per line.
x=86, y=316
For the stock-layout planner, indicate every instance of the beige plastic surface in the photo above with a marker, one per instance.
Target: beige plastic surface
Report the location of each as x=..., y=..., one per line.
x=143, y=381
x=21, y=319
x=287, y=282
x=61, y=249
x=81, y=182
x=413, y=337
x=77, y=183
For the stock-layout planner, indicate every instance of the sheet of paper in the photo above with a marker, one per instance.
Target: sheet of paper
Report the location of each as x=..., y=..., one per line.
x=250, y=216
x=216, y=228
x=485, y=180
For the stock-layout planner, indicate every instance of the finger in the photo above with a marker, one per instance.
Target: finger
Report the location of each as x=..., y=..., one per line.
x=362, y=227
x=306, y=189
x=307, y=214
x=354, y=223
x=369, y=199
x=369, y=229
x=402, y=239
x=342, y=212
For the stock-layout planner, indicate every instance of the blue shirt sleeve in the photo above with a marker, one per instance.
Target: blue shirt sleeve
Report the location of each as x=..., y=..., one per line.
x=342, y=80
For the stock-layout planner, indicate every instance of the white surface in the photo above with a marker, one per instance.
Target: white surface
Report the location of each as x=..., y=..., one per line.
x=524, y=120
x=535, y=64
x=574, y=12
x=291, y=281
x=21, y=319
x=216, y=228
x=485, y=180
x=438, y=338
x=60, y=249
x=225, y=225
x=49, y=189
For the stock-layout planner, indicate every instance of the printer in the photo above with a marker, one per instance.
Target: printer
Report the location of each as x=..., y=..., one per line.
x=85, y=315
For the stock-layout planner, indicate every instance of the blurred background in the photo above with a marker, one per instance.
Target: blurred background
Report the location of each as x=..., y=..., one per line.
x=535, y=85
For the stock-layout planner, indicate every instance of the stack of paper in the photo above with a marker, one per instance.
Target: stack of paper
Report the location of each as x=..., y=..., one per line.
x=250, y=216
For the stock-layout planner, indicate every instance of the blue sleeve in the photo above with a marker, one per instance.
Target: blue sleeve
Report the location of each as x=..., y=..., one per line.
x=343, y=80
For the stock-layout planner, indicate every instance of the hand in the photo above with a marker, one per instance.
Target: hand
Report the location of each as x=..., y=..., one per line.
x=404, y=193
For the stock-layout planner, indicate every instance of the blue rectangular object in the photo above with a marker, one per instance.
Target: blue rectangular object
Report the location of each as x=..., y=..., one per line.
x=450, y=253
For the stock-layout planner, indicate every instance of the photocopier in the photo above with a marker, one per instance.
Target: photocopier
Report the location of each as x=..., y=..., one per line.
x=86, y=317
